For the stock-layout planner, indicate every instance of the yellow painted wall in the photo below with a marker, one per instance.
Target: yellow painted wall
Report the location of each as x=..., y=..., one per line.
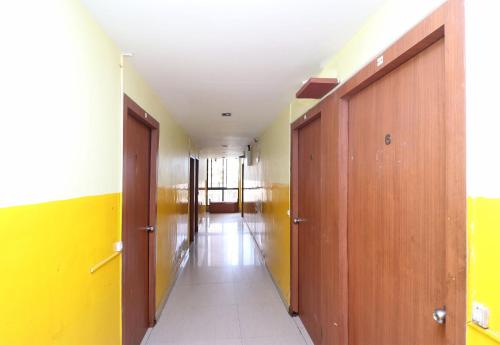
x=382, y=28
x=483, y=166
x=60, y=181
x=267, y=201
x=484, y=263
x=271, y=222
x=60, y=188
x=379, y=31
x=173, y=179
x=47, y=291
x=61, y=178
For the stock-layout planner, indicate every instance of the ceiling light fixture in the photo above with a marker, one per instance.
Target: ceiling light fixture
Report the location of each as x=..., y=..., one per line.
x=226, y=114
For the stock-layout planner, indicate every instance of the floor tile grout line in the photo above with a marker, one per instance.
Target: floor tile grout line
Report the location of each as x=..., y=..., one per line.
x=239, y=322
x=145, y=341
x=263, y=262
x=301, y=329
x=242, y=276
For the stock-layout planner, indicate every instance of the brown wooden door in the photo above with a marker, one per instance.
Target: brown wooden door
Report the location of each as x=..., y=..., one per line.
x=396, y=205
x=192, y=207
x=242, y=210
x=309, y=207
x=136, y=197
x=196, y=194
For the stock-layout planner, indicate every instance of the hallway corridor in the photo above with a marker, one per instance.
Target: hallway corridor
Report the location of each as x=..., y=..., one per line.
x=224, y=294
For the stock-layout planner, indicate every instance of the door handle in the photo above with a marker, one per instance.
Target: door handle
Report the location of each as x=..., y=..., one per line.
x=148, y=228
x=299, y=220
x=439, y=315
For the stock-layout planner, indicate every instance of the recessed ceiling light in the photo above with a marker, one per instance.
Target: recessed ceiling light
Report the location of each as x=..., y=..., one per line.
x=226, y=114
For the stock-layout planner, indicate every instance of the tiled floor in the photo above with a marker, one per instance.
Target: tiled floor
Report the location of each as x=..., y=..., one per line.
x=224, y=295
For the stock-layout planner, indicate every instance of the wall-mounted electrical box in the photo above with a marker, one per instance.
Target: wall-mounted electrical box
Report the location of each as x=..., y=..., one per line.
x=249, y=156
x=480, y=315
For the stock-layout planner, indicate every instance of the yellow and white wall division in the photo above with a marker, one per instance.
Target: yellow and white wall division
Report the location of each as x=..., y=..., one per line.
x=269, y=179
x=483, y=167
x=61, y=176
x=62, y=80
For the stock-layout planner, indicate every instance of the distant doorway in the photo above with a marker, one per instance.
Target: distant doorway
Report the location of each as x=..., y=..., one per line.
x=223, y=185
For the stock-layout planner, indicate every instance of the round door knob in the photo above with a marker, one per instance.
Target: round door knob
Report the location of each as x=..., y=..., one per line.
x=439, y=316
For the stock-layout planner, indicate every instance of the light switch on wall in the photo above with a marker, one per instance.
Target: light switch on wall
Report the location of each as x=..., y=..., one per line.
x=480, y=315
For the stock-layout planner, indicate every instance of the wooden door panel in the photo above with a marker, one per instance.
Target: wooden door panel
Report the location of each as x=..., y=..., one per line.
x=191, y=207
x=309, y=245
x=396, y=205
x=196, y=195
x=135, y=237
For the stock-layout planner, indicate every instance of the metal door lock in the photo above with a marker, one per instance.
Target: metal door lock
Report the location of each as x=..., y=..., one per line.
x=439, y=315
x=298, y=220
x=149, y=228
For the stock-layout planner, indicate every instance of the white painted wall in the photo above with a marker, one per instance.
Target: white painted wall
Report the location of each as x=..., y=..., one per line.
x=60, y=116
x=381, y=29
x=483, y=95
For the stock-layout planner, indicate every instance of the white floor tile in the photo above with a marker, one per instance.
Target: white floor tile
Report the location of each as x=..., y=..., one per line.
x=303, y=330
x=224, y=295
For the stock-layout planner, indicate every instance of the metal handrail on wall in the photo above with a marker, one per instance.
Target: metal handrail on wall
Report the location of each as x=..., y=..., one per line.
x=487, y=332
x=104, y=262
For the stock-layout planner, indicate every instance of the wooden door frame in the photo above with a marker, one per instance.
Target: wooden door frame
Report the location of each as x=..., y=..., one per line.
x=242, y=189
x=132, y=108
x=191, y=206
x=311, y=115
x=447, y=22
x=196, y=192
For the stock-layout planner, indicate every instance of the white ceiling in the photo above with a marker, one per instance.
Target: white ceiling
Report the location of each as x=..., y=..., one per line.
x=247, y=57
